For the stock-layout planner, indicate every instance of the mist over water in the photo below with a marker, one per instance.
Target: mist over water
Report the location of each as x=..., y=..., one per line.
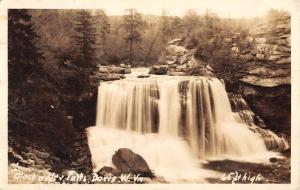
x=171, y=122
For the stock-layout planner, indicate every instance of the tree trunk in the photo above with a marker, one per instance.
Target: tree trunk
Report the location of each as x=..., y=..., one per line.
x=151, y=46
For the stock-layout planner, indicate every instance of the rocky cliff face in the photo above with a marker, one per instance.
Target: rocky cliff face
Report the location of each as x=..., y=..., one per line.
x=265, y=78
x=268, y=59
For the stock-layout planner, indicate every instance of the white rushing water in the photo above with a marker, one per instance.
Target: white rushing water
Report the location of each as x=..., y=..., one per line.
x=171, y=122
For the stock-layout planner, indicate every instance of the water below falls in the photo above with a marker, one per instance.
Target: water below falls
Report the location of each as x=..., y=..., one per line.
x=171, y=121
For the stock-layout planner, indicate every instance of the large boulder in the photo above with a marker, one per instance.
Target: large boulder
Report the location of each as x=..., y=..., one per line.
x=159, y=70
x=129, y=162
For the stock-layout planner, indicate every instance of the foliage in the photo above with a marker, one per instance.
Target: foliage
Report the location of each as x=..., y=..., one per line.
x=31, y=91
x=103, y=30
x=134, y=26
x=23, y=53
x=85, y=41
x=170, y=27
x=56, y=30
x=85, y=38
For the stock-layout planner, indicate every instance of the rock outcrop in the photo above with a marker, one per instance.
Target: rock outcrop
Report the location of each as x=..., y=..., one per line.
x=264, y=79
x=178, y=59
x=109, y=73
x=267, y=59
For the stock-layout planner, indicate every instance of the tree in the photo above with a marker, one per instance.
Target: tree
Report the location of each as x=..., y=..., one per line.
x=191, y=22
x=85, y=39
x=165, y=27
x=103, y=29
x=177, y=26
x=23, y=53
x=23, y=63
x=134, y=26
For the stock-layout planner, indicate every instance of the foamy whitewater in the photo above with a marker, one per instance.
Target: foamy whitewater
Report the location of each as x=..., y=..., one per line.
x=172, y=122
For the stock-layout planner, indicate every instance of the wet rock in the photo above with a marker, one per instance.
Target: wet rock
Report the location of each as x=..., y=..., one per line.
x=129, y=162
x=143, y=76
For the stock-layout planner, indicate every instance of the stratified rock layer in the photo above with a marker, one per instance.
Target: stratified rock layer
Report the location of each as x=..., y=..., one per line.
x=265, y=78
x=267, y=60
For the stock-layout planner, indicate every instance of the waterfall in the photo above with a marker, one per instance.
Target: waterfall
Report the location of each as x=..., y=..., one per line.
x=195, y=109
x=171, y=121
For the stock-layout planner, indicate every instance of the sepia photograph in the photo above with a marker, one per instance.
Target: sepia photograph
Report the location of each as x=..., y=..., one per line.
x=150, y=92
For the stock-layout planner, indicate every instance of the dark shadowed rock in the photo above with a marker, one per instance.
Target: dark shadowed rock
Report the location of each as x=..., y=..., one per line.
x=273, y=159
x=143, y=76
x=159, y=70
x=129, y=162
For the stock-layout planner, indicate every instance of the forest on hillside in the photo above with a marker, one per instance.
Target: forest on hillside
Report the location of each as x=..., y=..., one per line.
x=133, y=37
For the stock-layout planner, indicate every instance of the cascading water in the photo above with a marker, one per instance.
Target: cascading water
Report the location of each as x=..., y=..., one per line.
x=170, y=121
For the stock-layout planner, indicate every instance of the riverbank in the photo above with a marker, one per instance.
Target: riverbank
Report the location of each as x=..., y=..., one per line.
x=237, y=172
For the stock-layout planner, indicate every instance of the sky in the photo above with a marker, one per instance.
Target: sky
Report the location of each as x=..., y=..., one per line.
x=224, y=8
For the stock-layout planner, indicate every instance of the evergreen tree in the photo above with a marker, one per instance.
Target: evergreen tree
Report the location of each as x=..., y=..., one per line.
x=177, y=26
x=103, y=30
x=23, y=54
x=85, y=40
x=134, y=25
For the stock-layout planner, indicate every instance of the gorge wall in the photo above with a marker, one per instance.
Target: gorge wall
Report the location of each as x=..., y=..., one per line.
x=264, y=79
